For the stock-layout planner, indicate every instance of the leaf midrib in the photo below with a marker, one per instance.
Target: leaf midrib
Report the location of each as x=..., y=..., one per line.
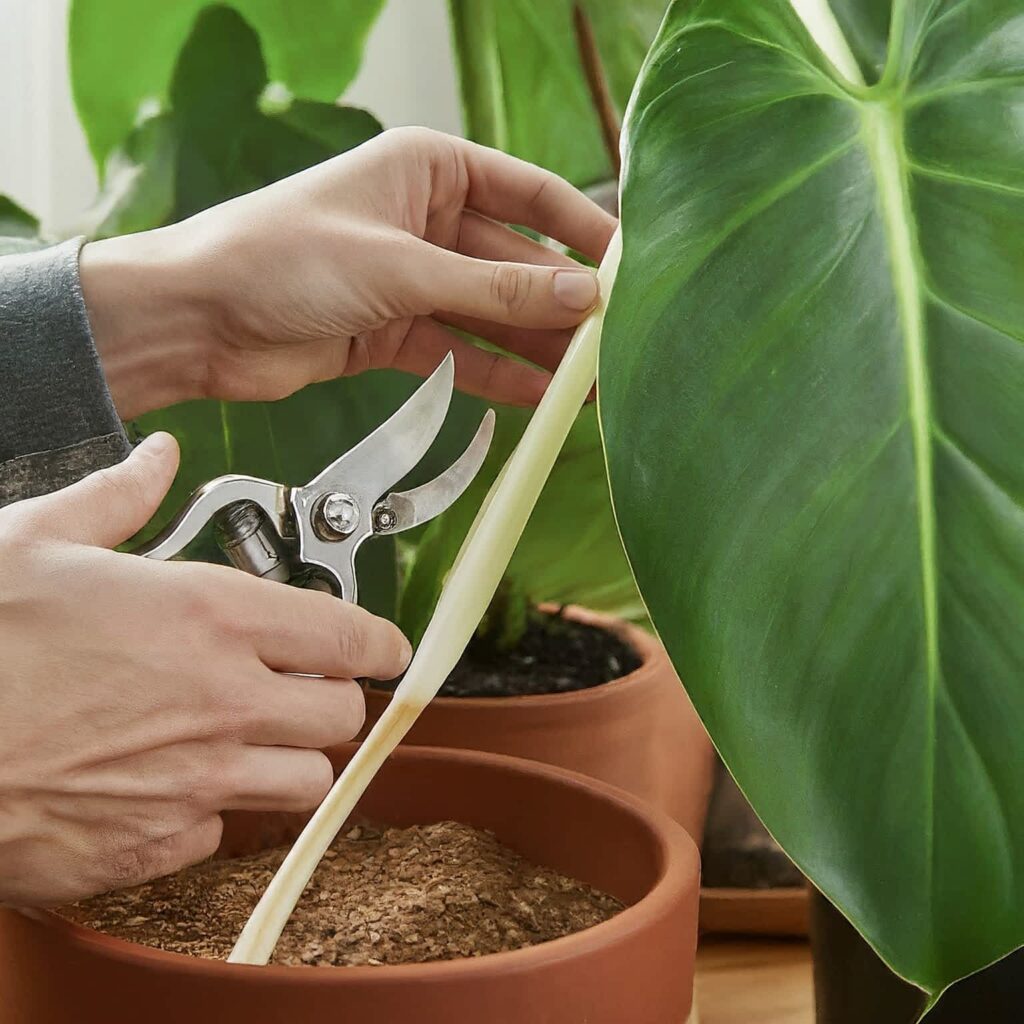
x=883, y=131
x=882, y=128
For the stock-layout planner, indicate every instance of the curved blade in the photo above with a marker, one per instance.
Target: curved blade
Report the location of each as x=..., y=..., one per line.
x=420, y=504
x=382, y=458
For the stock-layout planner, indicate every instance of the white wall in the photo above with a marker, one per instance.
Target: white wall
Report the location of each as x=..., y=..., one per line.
x=407, y=78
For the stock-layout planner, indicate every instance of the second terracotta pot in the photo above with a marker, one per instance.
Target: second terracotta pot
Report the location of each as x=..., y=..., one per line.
x=636, y=968
x=639, y=732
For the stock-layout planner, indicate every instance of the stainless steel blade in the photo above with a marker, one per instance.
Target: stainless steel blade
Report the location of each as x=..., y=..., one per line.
x=421, y=504
x=382, y=458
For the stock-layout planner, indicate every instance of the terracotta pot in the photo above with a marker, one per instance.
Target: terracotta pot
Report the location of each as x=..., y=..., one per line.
x=636, y=968
x=639, y=732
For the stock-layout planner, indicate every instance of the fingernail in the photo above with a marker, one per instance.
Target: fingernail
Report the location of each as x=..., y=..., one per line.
x=406, y=651
x=575, y=289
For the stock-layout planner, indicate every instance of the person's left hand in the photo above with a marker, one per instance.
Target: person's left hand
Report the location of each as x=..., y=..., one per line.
x=364, y=261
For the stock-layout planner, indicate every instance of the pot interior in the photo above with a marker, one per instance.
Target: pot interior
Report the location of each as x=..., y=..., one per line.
x=562, y=824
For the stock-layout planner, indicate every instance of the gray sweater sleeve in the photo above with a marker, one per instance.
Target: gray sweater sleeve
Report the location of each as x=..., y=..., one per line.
x=57, y=420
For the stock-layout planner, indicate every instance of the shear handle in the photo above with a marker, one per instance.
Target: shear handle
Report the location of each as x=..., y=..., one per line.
x=205, y=503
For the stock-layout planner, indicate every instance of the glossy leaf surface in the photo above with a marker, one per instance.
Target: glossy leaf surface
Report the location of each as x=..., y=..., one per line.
x=811, y=394
x=123, y=54
x=217, y=140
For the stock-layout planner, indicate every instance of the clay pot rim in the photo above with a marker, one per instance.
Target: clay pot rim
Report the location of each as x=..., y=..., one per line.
x=679, y=867
x=647, y=647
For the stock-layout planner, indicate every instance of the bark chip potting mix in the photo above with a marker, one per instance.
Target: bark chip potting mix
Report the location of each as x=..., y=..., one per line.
x=380, y=896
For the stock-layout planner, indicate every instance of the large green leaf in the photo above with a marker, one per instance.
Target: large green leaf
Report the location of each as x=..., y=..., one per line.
x=123, y=54
x=811, y=392
x=523, y=86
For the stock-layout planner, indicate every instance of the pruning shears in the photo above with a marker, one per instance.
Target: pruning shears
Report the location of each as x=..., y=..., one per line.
x=314, y=531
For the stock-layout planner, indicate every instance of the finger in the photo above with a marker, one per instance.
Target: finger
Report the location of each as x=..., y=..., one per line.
x=486, y=239
x=483, y=238
x=109, y=506
x=277, y=779
x=506, y=292
x=487, y=374
x=505, y=188
x=543, y=347
x=306, y=631
x=299, y=711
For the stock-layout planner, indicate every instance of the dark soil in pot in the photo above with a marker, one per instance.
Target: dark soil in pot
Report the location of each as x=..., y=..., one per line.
x=554, y=654
x=380, y=896
x=852, y=984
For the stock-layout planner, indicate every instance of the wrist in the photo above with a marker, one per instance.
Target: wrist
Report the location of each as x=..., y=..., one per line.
x=150, y=326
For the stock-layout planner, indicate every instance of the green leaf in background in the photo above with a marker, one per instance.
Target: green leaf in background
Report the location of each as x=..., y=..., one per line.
x=18, y=228
x=123, y=54
x=523, y=85
x=16, y=222
x=217, y=140
x=811, y=392
x=570, y=552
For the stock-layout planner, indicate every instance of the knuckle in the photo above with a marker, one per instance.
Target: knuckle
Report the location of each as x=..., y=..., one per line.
x=352, y=643
x=206, y=777
x=539, y=200
x=131, y=865
x=414, y=136
x=510, y=287
x=237, y=710
x=207, y=840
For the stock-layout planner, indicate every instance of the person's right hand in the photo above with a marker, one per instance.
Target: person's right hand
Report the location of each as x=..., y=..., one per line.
x=138, y=698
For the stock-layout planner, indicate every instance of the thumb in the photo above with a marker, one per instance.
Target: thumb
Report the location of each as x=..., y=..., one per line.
x=520, y=294
x=109, y=506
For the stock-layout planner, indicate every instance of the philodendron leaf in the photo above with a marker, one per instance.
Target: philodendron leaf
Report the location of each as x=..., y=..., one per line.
x=217, y=140
x=811, y=392
x=523, y=85
x=313, y=49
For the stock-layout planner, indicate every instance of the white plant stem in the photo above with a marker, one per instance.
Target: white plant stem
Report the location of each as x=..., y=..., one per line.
x=474, y=578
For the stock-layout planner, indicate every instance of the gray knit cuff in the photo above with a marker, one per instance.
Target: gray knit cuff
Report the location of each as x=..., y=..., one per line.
x=57, y=419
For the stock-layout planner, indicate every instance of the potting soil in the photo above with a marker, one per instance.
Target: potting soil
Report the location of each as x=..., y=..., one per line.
x=380, y=896
x=554, y=655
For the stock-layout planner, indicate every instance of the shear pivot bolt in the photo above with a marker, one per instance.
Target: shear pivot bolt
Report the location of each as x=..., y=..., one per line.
x=384, y=519
x=340, y=513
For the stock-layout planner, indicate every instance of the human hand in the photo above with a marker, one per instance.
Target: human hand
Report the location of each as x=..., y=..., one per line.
x=138, y=698
x=361, y=262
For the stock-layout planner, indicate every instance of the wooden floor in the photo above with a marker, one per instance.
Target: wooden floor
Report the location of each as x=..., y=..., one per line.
x=748, y=981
